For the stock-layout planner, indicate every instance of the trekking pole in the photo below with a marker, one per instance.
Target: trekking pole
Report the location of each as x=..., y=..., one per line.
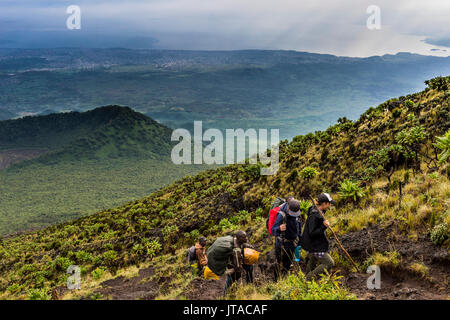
x=335, y=237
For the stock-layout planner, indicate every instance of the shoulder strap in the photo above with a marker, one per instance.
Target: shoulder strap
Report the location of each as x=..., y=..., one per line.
x=283, y=214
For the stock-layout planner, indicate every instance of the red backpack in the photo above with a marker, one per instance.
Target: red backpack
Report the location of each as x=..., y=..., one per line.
x=273, y=213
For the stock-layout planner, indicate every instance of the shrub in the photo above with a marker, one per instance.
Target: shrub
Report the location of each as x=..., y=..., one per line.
x=39, y=294
x=409, y=103
x=439, y=234
x=439, y=83
x=387, y=259
x=308, y=173
x=83, y=257
x=168, y=231
x=304, y=206
x=295, y=287
x=15, y=288
x=110, y=256
x=225, y=224
x=260, y=212
x=61, y=263
x=443, y=143
x=98, y=273
x=350, y=190
x=419, y=268
x=253, y=171
x=153, y=247
x=242, y=216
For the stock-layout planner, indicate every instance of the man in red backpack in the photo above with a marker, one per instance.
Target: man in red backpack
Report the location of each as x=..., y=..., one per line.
x=274, y=210
x=288, y=230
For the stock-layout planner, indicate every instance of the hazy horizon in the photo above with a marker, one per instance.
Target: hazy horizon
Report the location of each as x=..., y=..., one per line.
x=329, y=27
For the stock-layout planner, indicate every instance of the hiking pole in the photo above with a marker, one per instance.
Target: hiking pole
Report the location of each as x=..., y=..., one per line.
x=335, y=237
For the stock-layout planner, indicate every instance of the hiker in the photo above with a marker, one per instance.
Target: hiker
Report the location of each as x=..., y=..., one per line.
x=226, y=255
x=274, y=210
x=197, y=253
x=314, y=239
x=287, y=229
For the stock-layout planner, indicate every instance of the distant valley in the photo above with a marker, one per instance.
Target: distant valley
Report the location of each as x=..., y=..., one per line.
x=297, y=92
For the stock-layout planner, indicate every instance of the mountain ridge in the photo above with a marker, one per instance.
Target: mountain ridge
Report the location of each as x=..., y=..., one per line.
x=86, y=134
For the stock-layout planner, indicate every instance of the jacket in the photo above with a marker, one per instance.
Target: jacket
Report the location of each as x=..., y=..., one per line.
x=293, y=227
x=314, y=238
x=200, y=252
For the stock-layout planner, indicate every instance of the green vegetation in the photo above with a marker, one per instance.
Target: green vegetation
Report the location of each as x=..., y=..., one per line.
x=37, y=195
x=443, y=144
x=350, y=190
x=389, y=259
x=216, y=202
x=97, y=159
x=308, y=173
x=294, y=287
x=440, y=233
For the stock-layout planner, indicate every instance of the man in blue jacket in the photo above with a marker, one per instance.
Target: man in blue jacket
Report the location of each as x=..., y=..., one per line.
x=287, y=229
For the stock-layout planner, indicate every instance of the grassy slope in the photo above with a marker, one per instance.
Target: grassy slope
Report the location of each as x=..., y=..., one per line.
x=39, y=195
x=222, y=200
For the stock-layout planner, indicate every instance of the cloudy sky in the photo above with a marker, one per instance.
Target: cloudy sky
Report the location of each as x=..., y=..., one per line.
x=324, y=26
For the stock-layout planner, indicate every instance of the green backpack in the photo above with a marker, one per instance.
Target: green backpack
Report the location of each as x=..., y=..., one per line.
x=219, y=253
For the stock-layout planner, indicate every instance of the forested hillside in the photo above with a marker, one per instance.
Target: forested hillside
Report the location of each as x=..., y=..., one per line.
x=63, y=166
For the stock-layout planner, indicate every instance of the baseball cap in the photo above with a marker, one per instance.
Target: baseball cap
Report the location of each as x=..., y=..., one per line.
x=325, y=197
x=294, y=208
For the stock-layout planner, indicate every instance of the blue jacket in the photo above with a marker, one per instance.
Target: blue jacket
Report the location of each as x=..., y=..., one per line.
x=293, y=227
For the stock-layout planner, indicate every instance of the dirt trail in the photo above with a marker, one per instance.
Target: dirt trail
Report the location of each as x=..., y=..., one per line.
x=201, y=289
x=398, y=282
x=135, y=288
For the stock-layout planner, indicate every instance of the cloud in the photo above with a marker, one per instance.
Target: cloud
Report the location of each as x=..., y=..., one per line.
x=330, y=26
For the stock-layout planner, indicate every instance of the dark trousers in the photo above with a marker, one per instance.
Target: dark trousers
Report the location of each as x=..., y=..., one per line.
x=285, y=257
x=248, y=269
x=317, y=265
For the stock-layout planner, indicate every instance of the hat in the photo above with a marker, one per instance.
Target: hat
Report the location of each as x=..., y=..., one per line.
x=294, y=208
x=325, y=197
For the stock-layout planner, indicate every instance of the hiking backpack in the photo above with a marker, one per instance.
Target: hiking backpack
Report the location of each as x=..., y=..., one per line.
x=192, y=256
x=219, y=253
x=273, y=213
